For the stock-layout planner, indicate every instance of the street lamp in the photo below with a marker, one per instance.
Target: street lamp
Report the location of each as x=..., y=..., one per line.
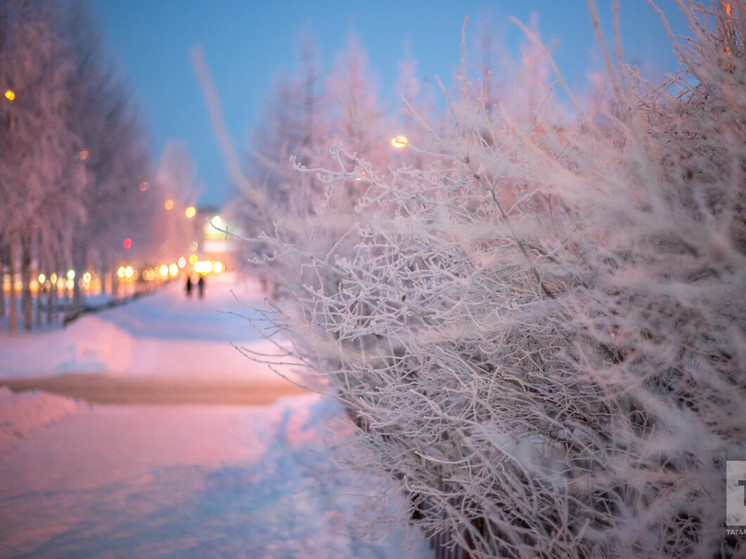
x=10, y=94
x=399, y=142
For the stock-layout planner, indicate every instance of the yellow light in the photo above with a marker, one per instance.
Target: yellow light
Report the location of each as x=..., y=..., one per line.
x=169, y=205
x=42, y=278
x=10, y=94
x=192, y=259
x=53, y=278
x=190, y=212
x=128, y=271
x=181, y=262
x=173, y=269
x=120, y=272
x=217, y=222
x=399, y=142
x=87, y=277
x=203, y=267
x=193, y=247
x=217, y=267
x=164, y=270
x=71, y=274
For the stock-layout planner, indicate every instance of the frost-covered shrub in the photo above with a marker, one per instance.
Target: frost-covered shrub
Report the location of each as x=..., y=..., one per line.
x=540, y=328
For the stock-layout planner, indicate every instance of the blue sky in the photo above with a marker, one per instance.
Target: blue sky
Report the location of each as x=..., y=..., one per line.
x=247, y=43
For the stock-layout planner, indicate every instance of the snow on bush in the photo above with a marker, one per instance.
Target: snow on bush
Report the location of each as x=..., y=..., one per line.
x=538, y=324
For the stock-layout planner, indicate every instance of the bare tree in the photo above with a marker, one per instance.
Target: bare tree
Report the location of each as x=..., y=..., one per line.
x=119, y=198
x=38, y=148
x=74, y=172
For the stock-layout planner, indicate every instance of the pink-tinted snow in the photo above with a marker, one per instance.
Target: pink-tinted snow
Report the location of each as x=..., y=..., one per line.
x=80, y=480
x=160, y=334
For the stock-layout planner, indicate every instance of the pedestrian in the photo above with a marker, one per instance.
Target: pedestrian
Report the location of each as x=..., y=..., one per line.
x=201, y=285
x=189, y=286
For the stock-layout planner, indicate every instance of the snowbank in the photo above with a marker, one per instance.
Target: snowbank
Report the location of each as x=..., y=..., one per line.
x=25, y=412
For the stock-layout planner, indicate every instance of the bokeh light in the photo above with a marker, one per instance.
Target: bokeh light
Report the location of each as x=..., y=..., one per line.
x=203, y=267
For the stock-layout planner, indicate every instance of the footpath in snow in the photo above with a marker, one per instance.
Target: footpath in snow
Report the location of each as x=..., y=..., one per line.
x=179, y=481
x=163, y=334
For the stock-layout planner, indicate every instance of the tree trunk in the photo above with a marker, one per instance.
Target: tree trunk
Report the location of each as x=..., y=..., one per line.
x=55, y=297
x=26, y=280
x=79, y=264
x=13, y=302
x=2, y=280
x=104, y=274
x=40, y=292
x=51, y=292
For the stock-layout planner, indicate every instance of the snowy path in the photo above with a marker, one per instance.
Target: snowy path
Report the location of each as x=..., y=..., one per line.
x=177, y=481
x=162, y=334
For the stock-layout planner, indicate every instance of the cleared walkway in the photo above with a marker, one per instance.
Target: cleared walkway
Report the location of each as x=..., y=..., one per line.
x=108, y=389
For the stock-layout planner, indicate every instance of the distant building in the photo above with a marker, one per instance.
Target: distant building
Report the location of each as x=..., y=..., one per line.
x=217, y=238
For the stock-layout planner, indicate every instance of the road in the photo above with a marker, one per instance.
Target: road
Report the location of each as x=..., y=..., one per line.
x=102, y=388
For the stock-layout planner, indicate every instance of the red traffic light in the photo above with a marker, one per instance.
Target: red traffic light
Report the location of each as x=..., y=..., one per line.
x=127, y=242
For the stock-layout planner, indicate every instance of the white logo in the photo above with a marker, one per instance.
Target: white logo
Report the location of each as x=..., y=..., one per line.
x=735, y=493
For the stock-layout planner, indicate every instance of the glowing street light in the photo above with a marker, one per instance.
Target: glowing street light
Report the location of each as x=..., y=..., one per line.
x=169, y=205
x=190, y=212
x=10, y=94
x=203, y=266
x=399, y=142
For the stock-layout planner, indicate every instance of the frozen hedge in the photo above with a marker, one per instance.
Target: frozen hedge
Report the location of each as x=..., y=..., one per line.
x=538, y=322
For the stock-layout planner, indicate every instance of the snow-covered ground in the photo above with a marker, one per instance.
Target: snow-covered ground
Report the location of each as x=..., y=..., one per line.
x=163, y=333
x=81, y=480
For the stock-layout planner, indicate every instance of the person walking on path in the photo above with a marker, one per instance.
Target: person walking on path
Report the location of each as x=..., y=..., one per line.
x=201, y=285
x=189, y=286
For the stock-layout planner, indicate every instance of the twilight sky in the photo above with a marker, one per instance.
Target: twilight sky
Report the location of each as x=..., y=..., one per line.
x=246, y=43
